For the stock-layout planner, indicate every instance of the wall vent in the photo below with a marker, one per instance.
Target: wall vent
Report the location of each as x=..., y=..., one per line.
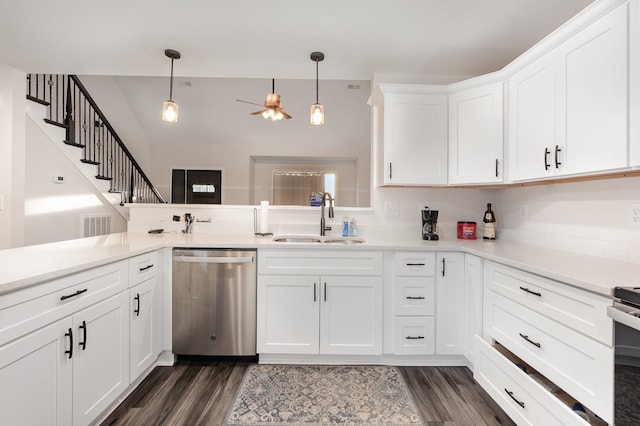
x=93, y=225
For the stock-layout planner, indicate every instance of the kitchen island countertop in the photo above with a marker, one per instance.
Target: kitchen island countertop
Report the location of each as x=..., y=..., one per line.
x=26, y=266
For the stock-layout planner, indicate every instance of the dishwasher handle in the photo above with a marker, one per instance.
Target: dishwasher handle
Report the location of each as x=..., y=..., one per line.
x=213, y=259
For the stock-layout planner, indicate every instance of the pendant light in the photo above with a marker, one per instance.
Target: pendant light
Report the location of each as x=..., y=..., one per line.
x=170, y=108
x=317, y=109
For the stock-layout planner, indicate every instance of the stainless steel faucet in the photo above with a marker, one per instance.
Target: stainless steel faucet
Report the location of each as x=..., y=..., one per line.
x=188, y=223
x=323, y=227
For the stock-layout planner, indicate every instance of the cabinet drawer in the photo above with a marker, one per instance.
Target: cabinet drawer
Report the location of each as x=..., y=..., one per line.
x=143, y=267
x=25, y=310
x=414, y=295
x=319, y=262
x=414, y=336
x=579, y=365
x=524, y=400
x=583, y=311
x=415, y=264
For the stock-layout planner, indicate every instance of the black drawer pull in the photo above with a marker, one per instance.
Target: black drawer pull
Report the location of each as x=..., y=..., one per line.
x=69, y=296
x=146, y=267
x=137, y=309
x=520, y=403
x=83, y=327
x=496, y=167
x=546, y=158
x=414, y=337
x=415, y=264
x=314, y=292
x=325, y=292
x=415, y=297
x=535, y=293
x=70, y=335
x=536, y=344
x=558, y=151
x=443, y=266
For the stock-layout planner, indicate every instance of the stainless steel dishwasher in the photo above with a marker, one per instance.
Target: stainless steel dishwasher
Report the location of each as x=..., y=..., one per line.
x=214, y=302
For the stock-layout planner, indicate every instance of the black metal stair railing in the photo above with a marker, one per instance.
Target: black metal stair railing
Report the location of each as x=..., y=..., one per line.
x=70, y=106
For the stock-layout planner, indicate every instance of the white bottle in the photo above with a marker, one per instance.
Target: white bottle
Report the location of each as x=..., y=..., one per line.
x=353, y=232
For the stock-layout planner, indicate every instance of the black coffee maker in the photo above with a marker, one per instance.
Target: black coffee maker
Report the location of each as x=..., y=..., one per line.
x=429, y=220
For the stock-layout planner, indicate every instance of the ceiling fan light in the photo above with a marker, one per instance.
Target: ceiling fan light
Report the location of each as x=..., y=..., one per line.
x=317, y=114
x=277, y=116
x=170, y=111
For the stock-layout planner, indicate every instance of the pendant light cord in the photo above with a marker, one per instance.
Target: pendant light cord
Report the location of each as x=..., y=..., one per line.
x=316, y=81
x=171, y=83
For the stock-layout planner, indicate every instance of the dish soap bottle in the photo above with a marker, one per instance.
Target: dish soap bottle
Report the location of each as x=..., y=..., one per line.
x=353, y=232
x=345, y=226
x=489, y=220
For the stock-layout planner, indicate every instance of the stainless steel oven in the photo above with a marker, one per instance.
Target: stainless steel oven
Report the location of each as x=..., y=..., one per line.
x=626, y=315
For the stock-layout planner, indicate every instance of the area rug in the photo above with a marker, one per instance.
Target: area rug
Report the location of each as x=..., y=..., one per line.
x=320, y=395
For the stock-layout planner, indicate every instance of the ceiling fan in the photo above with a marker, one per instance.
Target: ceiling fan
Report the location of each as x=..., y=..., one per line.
x=273, y=108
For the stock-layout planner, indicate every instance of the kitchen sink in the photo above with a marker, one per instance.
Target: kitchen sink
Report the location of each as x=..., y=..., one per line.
x=316, y=239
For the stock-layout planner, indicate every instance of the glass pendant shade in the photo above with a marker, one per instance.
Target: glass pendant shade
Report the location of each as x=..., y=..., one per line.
x=170, y=111
x=317, y=114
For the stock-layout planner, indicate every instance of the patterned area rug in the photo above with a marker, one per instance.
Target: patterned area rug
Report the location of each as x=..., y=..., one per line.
x=319, y=395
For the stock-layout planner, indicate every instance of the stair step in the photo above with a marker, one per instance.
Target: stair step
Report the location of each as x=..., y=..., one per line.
x=95, y=163
x=40, y=101
x=55, y=123
x=77, y=145
x=103, y=177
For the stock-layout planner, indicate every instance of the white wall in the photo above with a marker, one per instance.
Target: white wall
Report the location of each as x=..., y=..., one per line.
x=12, y=155
x=53, y=211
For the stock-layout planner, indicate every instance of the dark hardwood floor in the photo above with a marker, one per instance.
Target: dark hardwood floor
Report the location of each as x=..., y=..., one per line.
x=200, y=392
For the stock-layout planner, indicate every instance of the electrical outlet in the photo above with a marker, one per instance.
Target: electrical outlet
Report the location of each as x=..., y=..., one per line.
x=633, y=214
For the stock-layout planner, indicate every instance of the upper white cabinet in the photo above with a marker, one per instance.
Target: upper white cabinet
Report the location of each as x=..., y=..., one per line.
x=476, y=135
x=568, y=111
x=410, y=132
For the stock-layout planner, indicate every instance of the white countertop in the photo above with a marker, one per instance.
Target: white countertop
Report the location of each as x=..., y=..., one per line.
x=31, y=265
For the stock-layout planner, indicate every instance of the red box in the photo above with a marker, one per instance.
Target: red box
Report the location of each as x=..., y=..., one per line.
x=466, y=230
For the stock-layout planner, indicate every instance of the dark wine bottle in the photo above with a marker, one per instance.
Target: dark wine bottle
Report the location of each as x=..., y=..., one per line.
x=489, y=224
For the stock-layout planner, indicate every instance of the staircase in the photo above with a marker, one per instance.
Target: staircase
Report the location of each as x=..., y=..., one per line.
x=69, y=106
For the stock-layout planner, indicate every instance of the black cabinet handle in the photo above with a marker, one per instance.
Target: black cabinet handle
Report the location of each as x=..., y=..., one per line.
x=325, y=291
x=520, y=403
x=83, y=343
x=496, y=167
x=415, y=297
x=390, y=170
x=546, y=159
x=146, y=267
x=443, y=266
x=414, y=337
x=525, y=337
x=558, y=150
x=69, y=296
x=314, y=292
x=414, y=264
x=535, y=293
x=137, y=309
x=70, y=335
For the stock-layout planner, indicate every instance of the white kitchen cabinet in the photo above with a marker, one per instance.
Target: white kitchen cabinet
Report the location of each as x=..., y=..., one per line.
x=450, y=285
x=568, y=110
x=476, y=135
x=144, y=324
x=412, y=136
x=319, y=302
x=36, y=377
x=472, y=308
x=101, y=357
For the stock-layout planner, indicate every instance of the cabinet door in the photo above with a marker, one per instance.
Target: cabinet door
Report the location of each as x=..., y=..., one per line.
x=101, y=367
x=532, y=120
x=475, y=135
x=449, y=300
x=594, y=90
x=415, y=139
x=351, y=316
x=288, y=314
x=36, y=378
x=472, y=309
x=142, y=323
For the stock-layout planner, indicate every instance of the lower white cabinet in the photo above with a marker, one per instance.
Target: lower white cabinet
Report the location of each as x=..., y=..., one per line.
x=319, y=302
x=472, y=308
x=36, y=377
x=449, y=300
x=339, y=315
x=100, y=357
x=144, y=326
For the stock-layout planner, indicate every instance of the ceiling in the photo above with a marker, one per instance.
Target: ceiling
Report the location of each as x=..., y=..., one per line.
x=264, y=39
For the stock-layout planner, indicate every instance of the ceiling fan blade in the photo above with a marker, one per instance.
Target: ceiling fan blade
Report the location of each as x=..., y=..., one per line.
x=287, y=116
x=247, y=102
x=258, y=112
